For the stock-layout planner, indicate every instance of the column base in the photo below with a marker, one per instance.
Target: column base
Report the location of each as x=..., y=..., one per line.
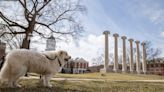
x=115, y=70
x=124, y=71
x=132, y=72
x=138, y=72
x=145, y=72
x=104, y=70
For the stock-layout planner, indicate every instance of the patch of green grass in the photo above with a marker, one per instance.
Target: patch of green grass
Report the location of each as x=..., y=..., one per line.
x=87, y=86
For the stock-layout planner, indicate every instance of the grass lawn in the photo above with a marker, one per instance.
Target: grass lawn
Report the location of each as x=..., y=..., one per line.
x=110, y=84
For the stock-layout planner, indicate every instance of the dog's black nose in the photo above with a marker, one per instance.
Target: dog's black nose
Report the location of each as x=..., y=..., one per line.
x=70, y=57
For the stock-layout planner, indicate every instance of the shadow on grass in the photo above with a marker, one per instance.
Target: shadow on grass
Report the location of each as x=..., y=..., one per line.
x=35, y=86
x=37, y=89
x=87, y=86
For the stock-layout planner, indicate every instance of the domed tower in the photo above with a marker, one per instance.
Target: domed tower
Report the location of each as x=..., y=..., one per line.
x=50, y=43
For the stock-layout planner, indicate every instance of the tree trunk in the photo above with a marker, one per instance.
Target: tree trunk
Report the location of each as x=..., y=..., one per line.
x=26, y=40
x=25, y=43
x=29, y=30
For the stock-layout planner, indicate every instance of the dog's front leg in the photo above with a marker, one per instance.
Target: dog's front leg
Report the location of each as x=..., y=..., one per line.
x=41, y=79
x=46, y=80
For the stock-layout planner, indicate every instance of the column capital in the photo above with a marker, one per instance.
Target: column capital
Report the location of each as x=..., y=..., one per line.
x=106, y=32
x=130, y=40
x=116, y=35
x=123, y=37
x=143, y=43
x=137, y=42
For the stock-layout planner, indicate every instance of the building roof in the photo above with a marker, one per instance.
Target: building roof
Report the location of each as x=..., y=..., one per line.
x=160, y=60
x=80, y=60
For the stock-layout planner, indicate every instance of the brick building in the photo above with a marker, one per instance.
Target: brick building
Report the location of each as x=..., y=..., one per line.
x=156, y=67
x=77, y=66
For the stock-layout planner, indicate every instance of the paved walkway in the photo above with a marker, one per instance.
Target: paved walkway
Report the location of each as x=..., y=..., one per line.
x=84, y=79
x=70, y=79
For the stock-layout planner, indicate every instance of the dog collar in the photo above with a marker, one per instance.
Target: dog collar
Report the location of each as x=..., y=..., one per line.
x=54, y=59
x=59, y=62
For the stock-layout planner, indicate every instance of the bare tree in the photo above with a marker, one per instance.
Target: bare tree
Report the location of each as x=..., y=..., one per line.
x=98, y=60
x=25, y=18
x=111, y=58
x=151, y=52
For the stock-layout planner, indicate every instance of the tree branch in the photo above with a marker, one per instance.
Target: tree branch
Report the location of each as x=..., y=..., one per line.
x=45, y=3
x=9, y=22
x=52, y=29
x=60, y=15
x=41, y=34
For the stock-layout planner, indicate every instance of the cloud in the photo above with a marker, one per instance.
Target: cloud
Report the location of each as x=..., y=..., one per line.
x=98, y=19
x=156, y=16
x=89, y=47
x=154, y=13
x=162, y=34
x=86, y=49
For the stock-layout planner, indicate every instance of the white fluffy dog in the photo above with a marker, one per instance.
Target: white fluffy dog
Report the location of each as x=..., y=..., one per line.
x=20, y=61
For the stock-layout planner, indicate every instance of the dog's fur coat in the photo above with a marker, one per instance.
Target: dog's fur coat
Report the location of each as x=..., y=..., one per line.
x=20, y=61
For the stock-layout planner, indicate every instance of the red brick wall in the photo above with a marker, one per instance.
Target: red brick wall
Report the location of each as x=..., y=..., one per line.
x=157, y=68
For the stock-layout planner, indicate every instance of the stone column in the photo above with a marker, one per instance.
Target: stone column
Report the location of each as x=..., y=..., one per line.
x=144, y=58
x=115, y=68
x=131, y=56
x=137, y=57
x=106, y=52
x=124, y=66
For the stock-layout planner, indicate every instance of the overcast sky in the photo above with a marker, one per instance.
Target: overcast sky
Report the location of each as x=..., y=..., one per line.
x=138, y=19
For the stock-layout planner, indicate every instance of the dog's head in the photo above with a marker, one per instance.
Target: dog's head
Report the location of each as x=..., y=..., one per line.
x=64, y=55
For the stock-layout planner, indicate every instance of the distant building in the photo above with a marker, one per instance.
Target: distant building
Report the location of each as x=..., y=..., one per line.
x=50, y=43
x=77, y=66
x=153, y=67
x=156, y=67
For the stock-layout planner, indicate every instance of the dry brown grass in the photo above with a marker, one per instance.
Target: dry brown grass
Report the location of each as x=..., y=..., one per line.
x=87, y=86
x=112, y=76
x=110, y=84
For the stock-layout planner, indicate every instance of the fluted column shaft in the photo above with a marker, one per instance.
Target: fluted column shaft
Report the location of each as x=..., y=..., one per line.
x=131, y=56
x=106, y=50
x=144, y=58
x=115, y=68
x=137, y=57
x=124, y=66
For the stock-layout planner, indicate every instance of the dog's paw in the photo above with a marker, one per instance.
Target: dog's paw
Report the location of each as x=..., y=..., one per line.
x=50, y=86
x=17, y=85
